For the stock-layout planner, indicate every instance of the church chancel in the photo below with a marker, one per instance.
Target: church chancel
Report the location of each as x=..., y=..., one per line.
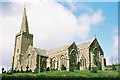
x=84, y=56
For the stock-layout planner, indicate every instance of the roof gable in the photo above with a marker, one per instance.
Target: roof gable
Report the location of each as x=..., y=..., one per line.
x=38, y=51
x=41, y=52
x=56, y=50
x=83, y=45
x=86, y=44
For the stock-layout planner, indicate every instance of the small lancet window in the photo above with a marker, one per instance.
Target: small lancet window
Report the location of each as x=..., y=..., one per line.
x=17, y=50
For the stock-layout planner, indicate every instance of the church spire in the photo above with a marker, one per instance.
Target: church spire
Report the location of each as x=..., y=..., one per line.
x=24, y=26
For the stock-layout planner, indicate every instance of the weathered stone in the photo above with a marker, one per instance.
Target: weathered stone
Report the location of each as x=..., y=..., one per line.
x=84, y=56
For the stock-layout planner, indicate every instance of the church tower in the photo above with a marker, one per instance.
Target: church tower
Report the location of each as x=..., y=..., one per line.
x=22, y=41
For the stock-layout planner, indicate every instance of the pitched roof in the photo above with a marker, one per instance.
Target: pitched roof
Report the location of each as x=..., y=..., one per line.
x=82, y=45
x=85, y=44
x=39, y=51
x=56, y=50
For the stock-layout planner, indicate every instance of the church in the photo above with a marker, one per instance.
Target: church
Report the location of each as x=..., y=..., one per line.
x=87, y=55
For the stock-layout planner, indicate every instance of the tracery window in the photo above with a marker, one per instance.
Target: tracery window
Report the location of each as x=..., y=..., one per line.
x=57, y=64
x=82, y=61
x=62, y=62
x=96, y=55
x=73, y=57
x=29, y=60
x=53, y=63
x=43, y=63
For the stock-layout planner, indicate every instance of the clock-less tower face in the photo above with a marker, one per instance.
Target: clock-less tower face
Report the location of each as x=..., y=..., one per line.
x=18, y=44
x=22, y=41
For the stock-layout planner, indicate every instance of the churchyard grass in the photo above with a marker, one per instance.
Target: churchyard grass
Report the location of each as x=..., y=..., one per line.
x=75, y=73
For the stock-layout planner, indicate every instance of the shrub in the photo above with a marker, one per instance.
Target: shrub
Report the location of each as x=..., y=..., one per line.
x=17, y=71
x=71, y=69
x=94, y=70
x=9, y=72
x=53, y=69
x=78, y=66
x=113, y=67
x=14, y=71
x=30, y=70
x=22, y=70
x=118, y=69
x=41, y=69
x=47, y=69
x=63, y=67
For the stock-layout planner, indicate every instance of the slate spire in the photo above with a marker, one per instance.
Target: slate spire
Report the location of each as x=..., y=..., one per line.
x=24, y=25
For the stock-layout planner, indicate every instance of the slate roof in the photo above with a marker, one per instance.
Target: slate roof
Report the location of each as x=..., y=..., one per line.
x=82, y=45
x=56, y=50
x=85, y=44
x=40, y=51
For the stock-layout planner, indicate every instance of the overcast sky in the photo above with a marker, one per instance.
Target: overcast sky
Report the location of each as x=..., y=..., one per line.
x=56, y=24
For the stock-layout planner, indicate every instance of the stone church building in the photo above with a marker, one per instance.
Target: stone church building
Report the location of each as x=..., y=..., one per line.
x=84, y=56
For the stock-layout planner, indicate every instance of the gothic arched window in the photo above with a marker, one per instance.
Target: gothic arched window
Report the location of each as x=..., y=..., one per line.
x=53, y=63
x=57, y=64
x=73, y=58
x=96, y=55
x=62, y=61
x=82, y=61
x=29, y=60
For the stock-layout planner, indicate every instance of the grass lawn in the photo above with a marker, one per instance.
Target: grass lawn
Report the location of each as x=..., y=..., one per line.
x=76, y=73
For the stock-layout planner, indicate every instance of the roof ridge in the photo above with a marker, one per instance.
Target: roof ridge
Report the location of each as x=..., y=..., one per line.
x=86, y=41
x=38, y=48
x=60, y=47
